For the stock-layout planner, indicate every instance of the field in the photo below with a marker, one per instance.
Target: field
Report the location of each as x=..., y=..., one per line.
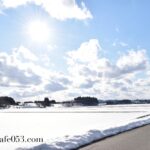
x=66, y=128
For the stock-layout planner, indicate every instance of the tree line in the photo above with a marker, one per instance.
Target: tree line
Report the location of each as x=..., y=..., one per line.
x=6, y=101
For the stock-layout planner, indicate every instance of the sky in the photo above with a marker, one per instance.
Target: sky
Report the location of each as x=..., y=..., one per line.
x=67, y=48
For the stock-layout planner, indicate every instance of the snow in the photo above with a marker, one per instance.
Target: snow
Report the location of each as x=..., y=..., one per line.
x=68, y=128
x=30, y=105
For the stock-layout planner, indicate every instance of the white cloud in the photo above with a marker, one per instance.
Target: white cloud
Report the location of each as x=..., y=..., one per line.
x=79, y=61
x=88, y=74
x=88, y=83
x=54, y=86
x=59, y=9
x=12, y=72
x=133, y=61
x=20, y=73
x=88, y=52
x=23, y=53
x=98, y=76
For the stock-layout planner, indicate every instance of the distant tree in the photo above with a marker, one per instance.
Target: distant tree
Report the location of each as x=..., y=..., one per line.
x=40, y=103
x=86, y=101
x=116, y=102
x=18, y=103
x=52, y=101
x=6, y=101
x=47, y=102
x=126, y=101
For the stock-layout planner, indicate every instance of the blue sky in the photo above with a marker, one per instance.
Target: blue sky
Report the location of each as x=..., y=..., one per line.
x=68, y=48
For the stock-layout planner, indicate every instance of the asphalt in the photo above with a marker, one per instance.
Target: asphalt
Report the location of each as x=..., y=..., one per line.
x=136, y=139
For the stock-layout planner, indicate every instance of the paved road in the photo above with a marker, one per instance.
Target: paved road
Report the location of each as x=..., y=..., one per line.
x=137, y=139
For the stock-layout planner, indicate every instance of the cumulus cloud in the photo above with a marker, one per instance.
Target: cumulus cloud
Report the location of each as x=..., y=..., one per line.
x=87, y=52
x=59, y=9
x=12, y=72
x=24, y=77
x=79, y=62
x=88, y=83
x=88, y=74
x=97, y=75
x=24, y=54
x=133, y=61
x=54, y=86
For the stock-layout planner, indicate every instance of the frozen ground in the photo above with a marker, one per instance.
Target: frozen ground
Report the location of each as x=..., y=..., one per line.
x=66, y=128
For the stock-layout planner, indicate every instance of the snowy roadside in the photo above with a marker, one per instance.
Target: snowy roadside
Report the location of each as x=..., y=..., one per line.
x=77, y=141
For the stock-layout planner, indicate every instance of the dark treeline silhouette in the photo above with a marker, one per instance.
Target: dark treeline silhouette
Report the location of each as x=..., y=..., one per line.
x=86, y=101
x=6, y=101
x=45, y=103
x=115, y=102
x=127, y=101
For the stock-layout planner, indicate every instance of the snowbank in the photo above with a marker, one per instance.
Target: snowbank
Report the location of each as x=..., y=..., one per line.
x=72, y=142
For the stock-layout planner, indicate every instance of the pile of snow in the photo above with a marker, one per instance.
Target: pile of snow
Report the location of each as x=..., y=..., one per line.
x=77, y=141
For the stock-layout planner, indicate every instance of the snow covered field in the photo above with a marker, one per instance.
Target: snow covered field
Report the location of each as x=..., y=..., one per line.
x=66, y=128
